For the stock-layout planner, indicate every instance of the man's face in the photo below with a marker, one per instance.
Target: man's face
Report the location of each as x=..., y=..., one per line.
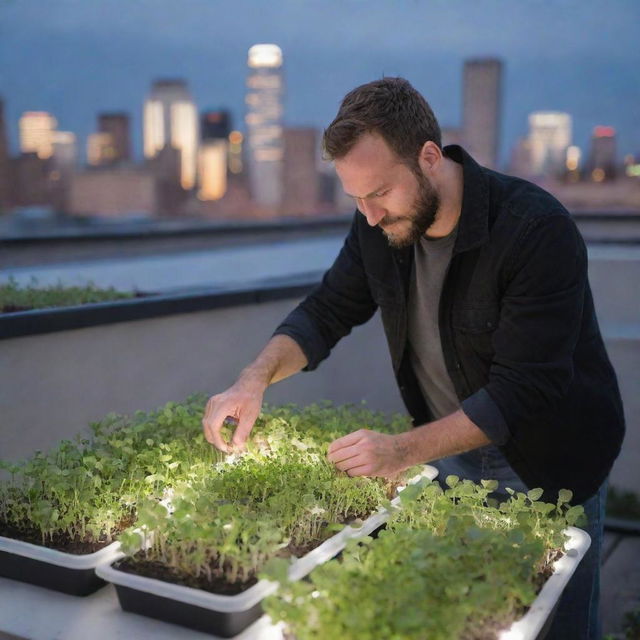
x=403, y=203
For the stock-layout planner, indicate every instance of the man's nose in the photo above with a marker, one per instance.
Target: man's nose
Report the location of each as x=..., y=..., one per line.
x=372, y=212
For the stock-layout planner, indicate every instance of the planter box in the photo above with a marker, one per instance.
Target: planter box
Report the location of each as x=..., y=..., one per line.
x=221, y=614
x=57, y=570
x=535, y=624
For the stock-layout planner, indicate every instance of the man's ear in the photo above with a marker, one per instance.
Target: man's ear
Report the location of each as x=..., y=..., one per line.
x=430, y=157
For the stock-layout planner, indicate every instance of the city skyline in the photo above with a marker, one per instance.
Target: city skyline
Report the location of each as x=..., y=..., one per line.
x=591, y=53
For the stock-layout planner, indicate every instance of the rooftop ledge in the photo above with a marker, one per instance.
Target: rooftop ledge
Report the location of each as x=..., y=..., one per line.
x=153, y=305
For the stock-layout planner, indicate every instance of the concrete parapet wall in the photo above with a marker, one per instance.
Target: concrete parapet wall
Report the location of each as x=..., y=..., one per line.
x=53, y=385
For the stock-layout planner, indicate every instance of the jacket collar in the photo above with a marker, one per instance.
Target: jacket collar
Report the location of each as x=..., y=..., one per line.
x=473, y=226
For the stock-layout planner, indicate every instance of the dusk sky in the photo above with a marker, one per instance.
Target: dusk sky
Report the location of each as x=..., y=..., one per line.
x=75, y=58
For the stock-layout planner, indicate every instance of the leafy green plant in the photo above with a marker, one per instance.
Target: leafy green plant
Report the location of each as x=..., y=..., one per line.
x=450, y=565
x=281, y=497
x=14, y=297
x=211, y=515
x=86, y=491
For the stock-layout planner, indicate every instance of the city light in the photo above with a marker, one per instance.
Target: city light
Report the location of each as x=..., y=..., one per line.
x=604, y=132
x=573, y=158
x=36, y=133
x=265, y=55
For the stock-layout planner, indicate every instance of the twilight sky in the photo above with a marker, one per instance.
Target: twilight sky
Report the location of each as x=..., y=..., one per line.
x=75, y=58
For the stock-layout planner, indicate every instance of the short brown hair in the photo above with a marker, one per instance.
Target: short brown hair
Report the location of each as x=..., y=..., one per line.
x=390, y=107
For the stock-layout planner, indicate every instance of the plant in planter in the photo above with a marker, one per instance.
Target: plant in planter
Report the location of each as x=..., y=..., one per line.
x=449, y=565
x=14, y=297
x=282, y=498
x=60, y=512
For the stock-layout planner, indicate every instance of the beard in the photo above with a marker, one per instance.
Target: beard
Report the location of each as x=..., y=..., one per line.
x=425, y=208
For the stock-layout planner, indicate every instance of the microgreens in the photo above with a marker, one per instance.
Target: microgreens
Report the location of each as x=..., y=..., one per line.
x=451, y=564
x=15, y=297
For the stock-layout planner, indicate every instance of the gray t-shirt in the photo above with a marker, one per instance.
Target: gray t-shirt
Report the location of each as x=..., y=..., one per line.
x=431, y=263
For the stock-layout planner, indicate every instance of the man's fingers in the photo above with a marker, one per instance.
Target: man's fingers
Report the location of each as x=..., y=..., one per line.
x=348, y=440
x=361, y=470
x=351, y=463
x=344, y=453
x=245, y=424
x=212, y=425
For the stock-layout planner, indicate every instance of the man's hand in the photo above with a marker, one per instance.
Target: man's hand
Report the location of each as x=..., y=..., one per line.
x=241, y=402
x=369, y=453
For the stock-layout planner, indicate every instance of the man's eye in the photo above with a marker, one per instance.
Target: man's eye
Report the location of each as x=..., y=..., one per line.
x=379, y=194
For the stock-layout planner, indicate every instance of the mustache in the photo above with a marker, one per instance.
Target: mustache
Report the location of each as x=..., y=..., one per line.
x=388, y=220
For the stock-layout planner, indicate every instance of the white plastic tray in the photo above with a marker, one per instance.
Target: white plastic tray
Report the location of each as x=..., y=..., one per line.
x=530, y=625
x=252, y=596
x=61, y=558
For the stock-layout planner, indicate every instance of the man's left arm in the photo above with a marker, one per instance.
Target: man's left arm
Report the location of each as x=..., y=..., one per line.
x=369, y=453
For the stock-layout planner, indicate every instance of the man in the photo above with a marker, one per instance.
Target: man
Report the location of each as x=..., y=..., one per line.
x=481, y=280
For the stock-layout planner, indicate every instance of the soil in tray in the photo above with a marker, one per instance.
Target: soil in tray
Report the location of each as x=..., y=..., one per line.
x=217, y=584
x=62, y=541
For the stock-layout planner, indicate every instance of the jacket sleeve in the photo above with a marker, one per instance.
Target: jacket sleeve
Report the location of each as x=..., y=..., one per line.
x=340, y=302
x=539, y=326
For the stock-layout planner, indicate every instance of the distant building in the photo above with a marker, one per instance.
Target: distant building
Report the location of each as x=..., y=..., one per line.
x=215, y=124
x=30, y=180
x=101, y=149
x=5, y=166
x=166, y=167
x=63, y=164
x=117, y=125
x=171, y=119
x=65, y=152
x=549, y=139
x=602, y=155
x=520, y=161
x=481, y=109
x=213, y=155
x=574, y=159
x=36, y=133
x=113, y=192
x=265, y=90
x=300, y=173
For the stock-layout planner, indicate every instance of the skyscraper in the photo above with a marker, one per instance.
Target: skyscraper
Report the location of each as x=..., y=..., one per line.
x=117, y=125
x=549, y=139
x=63, y=164
x=171, y=118
x=64, y=150
x=36, y=133
x=264, y=124
x=482, y=97
x=602, y=156
x=213, y=154
x=300, y=175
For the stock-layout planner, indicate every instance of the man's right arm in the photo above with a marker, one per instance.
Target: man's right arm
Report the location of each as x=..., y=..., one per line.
x=306, y=336
x=281, y=358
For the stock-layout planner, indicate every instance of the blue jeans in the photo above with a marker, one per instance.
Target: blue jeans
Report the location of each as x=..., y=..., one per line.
x=577, y=616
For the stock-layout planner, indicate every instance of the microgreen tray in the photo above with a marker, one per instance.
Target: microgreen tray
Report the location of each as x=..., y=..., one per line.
x=65, y=572
x=222, y=614
x=535, y=623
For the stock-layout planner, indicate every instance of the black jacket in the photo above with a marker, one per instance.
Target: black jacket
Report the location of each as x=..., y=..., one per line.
x=519, y=332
